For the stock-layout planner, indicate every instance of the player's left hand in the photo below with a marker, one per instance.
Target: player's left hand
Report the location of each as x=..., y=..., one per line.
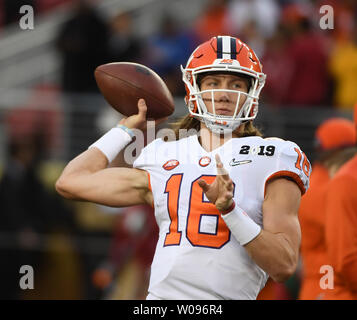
x=220, y=192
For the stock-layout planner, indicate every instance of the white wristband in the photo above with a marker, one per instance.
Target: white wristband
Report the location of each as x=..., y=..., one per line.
x=112, y=142
x=243, y=228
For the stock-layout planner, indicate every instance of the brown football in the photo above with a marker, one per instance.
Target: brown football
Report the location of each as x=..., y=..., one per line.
x=124, y=83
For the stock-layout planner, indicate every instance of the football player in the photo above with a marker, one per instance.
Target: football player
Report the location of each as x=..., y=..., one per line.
x=341, y=232
x=335, y=140
x=225, y=198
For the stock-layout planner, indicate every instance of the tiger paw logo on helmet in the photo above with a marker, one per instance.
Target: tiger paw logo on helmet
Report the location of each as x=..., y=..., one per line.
x=223, y=54
x=227, y=61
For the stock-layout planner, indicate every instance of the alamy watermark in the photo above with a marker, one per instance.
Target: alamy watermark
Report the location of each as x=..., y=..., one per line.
x=327, y=280
x=27, y=280
x=157, y=151
x=27, y=20
x=327, y=20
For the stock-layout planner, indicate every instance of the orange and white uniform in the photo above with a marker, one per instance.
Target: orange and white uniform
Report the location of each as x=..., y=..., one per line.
x=341, y=231
x=196, y=256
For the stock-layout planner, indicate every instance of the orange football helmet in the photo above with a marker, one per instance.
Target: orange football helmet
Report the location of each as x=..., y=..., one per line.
x=223, y=54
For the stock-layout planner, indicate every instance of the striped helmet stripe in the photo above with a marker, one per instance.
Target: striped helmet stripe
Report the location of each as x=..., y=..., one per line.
x=226, y=47
x=233, y=49
x=219, y=48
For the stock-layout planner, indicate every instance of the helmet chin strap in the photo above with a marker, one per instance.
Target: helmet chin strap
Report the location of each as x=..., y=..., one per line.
x=218, y=128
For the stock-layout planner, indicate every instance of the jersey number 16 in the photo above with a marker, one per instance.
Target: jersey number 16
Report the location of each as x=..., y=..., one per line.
x=198, y=207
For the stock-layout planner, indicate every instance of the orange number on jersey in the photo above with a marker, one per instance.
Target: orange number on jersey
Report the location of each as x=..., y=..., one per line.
x=198, y=209
x=173, y=186
x=305, y=165
x=297, y=163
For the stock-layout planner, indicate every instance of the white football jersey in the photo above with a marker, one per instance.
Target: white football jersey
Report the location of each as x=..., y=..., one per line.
x=196, y=256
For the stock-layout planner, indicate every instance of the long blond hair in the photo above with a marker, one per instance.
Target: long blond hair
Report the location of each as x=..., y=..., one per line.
x=188, y=122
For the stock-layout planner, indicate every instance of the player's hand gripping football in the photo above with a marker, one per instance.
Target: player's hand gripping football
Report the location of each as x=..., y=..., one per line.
x=220, y=192
x=139, y=121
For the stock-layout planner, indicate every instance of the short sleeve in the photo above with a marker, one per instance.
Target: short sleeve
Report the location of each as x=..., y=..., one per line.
x=144, y=162
x=146, y=157
x=293, y=164
x=140, y=162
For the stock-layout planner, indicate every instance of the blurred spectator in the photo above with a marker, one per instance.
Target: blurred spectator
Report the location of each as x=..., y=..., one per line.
x=83, y=45
x=278, y=67
x=335, y=141
x=167, y=50
x=343, y=67
x=296, y=61
x=253, y=21
x=125, y=276
x=308, y=84
x=41, y=110
x=123, y=44
x=341, y=231
x=47, y=5
x=82, y=42
x=264, y=13
x=213, y=21
x=28, y=211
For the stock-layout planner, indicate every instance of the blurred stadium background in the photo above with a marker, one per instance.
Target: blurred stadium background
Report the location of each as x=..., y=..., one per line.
x=51, y=110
